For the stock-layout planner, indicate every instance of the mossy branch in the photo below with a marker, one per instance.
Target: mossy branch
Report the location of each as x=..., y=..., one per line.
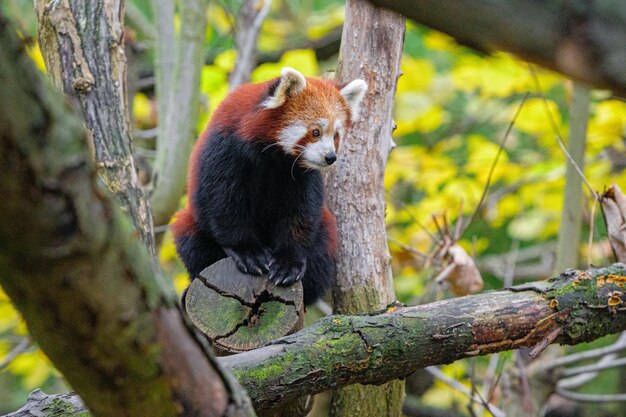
x=575, y=307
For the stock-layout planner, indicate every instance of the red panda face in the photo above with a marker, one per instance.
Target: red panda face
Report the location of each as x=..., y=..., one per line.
x=313, y=116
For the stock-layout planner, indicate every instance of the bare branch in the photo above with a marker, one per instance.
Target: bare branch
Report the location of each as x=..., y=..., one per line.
x=179, y=110
x=249, y=21
x=436, y=372
x=593, y=368
x=20, y=348
x=593, y=398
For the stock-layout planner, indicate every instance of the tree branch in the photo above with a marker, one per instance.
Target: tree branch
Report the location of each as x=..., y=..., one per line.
x=249, y=21
x=73, y=266
x=582, y=40
x=371, y=349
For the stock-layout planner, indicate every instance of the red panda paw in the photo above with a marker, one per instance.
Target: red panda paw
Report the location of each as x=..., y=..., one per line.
x=287, y=273
x=250, y=260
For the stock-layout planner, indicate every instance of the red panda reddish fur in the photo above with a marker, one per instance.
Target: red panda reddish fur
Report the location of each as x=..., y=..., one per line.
x=255, y=189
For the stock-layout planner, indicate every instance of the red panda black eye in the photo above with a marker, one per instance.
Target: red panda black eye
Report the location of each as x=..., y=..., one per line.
x=316, y=133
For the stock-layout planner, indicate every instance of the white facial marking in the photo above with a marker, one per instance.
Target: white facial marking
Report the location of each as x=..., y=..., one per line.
x=314, y=155
x=290, y=135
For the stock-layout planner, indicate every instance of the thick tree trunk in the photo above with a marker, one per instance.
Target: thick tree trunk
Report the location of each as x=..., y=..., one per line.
x=371, y=49
x=73, y=266
x=584, y=40
x=83, y=46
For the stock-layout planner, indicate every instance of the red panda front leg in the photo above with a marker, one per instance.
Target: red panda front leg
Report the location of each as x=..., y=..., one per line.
x=221, y=202
x=291, y=247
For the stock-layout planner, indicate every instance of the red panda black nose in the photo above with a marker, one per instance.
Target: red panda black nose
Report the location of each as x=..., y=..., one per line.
x=330, y=158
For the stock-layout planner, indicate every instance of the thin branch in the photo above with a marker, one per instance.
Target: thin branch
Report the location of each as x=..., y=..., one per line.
x=249, y=20
x=146, y=133
x=544, y=343
x=618, y=346
x=495, y=162
x=476, y=398
x=139, y=20
x=593, y=368
x=593, y=398
x=592, y=218
x=403, y=206
x=21, y=347
x=581, y=379
x=557, y=134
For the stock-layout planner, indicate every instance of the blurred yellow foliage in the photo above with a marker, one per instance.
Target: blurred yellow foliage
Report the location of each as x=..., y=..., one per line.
x=534, y=118
x=325, y=20
x=301, y=59
x=35, y=54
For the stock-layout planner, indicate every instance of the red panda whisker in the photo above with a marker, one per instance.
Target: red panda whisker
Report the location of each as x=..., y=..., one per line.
x=269, y=146
x=294, y=164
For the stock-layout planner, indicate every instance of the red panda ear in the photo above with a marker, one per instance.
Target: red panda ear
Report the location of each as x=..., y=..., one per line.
x=353, y=93
x=290, y=82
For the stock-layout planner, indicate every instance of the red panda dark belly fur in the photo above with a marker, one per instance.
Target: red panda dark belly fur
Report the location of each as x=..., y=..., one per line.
x=252, y=200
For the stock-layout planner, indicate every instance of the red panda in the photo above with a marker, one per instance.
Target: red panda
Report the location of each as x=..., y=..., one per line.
x=255, y=188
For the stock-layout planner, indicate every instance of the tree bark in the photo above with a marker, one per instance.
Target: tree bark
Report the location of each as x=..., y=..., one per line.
x=581, y=39
x=83, y=46
x=74, y=268
x=371, y=49
x=177, y=125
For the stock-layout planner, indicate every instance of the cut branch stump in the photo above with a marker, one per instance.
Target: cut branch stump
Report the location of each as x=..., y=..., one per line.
x=240, y=312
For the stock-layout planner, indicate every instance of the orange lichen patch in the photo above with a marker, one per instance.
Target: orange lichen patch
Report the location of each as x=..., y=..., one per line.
x=392, y=308
x=618, y=280
x=600, y=281
x=336, y=321
x=615, y=298
x=580, y=277
x=554, y=303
